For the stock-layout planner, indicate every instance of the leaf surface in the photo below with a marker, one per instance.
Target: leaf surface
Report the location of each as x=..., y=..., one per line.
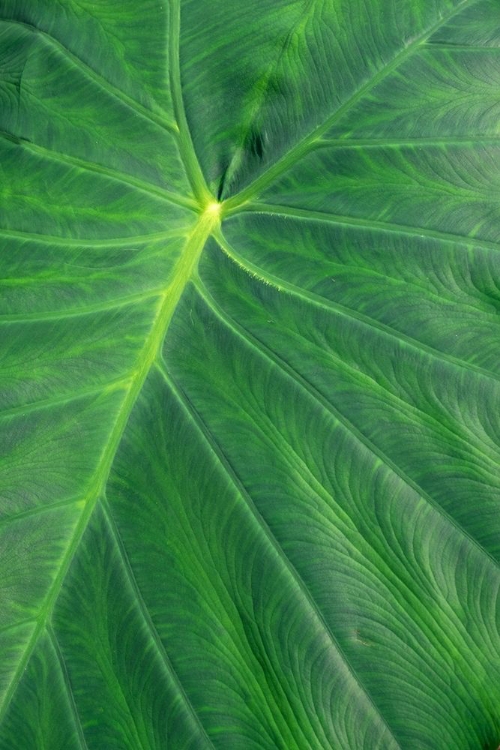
x=249, y=374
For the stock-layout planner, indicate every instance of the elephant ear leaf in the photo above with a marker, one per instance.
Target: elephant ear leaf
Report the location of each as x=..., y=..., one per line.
x=249, y=374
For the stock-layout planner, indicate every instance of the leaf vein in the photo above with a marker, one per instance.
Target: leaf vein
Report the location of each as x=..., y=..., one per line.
x=46, y=403
x=172, y=294
x=67, y=684
x=330, y=306
x=304, y=145
x=230, y=472
x=148, y=622
x=113, y=174
x=98, y=79
x=116, y=304
x=373, y=224
x=264, y=351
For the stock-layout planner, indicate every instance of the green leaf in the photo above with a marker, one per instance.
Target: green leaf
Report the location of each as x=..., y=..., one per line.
x=249, y=299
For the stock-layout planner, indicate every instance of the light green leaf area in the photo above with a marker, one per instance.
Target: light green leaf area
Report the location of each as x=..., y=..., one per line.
x=249, y=375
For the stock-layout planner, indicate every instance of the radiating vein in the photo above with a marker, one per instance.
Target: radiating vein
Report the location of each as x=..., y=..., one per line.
x=17, y=625
x=264, y=351
x=130, y=241
x=28, y=408
x=150, y=628
x=269, y=278
x=169, y=300
x=297, y=581
x=67, y=685
x=460, y=47
x=102, y=82
x=336, y=307
x=121, y=177
x=186, y=147
x=445, y=140
x=39, y=510
x=76, y=312
x=354, y=221
x=303, y=146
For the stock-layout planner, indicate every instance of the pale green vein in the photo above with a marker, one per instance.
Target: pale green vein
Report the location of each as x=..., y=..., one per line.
x=336, y=307
x=69, y=692
x=97, y=78
x=18, y=625
x=186, y=147
x=16, y=234
x=264, y=352
x=116, y=303
x=150, y=628
x=39, y=510
x=296, y=580
x=438, y=296
x=105, y=389
x=372, y=224
x=308, y=387
x=113, y=174
x=173, y=291
x=303, y=146
x=459, y=47
x=439, y=141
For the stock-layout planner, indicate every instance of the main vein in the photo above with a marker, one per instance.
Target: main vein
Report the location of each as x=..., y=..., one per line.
x=166, y=307
x=206, y=222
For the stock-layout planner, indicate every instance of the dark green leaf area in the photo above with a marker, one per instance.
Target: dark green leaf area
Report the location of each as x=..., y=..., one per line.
x=106, y=37
x=63, y=110
x=213, y=565
x=446, y=189
x=45, y=715
x=286, y=96
x=334, y=501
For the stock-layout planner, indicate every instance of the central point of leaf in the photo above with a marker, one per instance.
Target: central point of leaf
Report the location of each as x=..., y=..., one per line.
x=213, y=209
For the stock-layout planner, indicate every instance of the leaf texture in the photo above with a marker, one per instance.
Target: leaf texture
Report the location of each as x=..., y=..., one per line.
x=249, y=381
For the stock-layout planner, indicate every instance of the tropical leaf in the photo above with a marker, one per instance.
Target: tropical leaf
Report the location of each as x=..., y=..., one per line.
x=250, y=286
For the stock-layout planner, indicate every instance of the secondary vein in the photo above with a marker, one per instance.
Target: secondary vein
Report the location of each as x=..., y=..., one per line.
x=186, y=146
x=305, y=144
x=102, y=82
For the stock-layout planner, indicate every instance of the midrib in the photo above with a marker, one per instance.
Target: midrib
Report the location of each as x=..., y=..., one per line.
x=206, y=222
x=169, y=299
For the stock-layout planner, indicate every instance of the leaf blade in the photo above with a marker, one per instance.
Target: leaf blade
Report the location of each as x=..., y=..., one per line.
x=287, y=428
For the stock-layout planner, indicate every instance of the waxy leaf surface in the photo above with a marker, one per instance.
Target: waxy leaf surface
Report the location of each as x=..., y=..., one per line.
x=249, y=374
